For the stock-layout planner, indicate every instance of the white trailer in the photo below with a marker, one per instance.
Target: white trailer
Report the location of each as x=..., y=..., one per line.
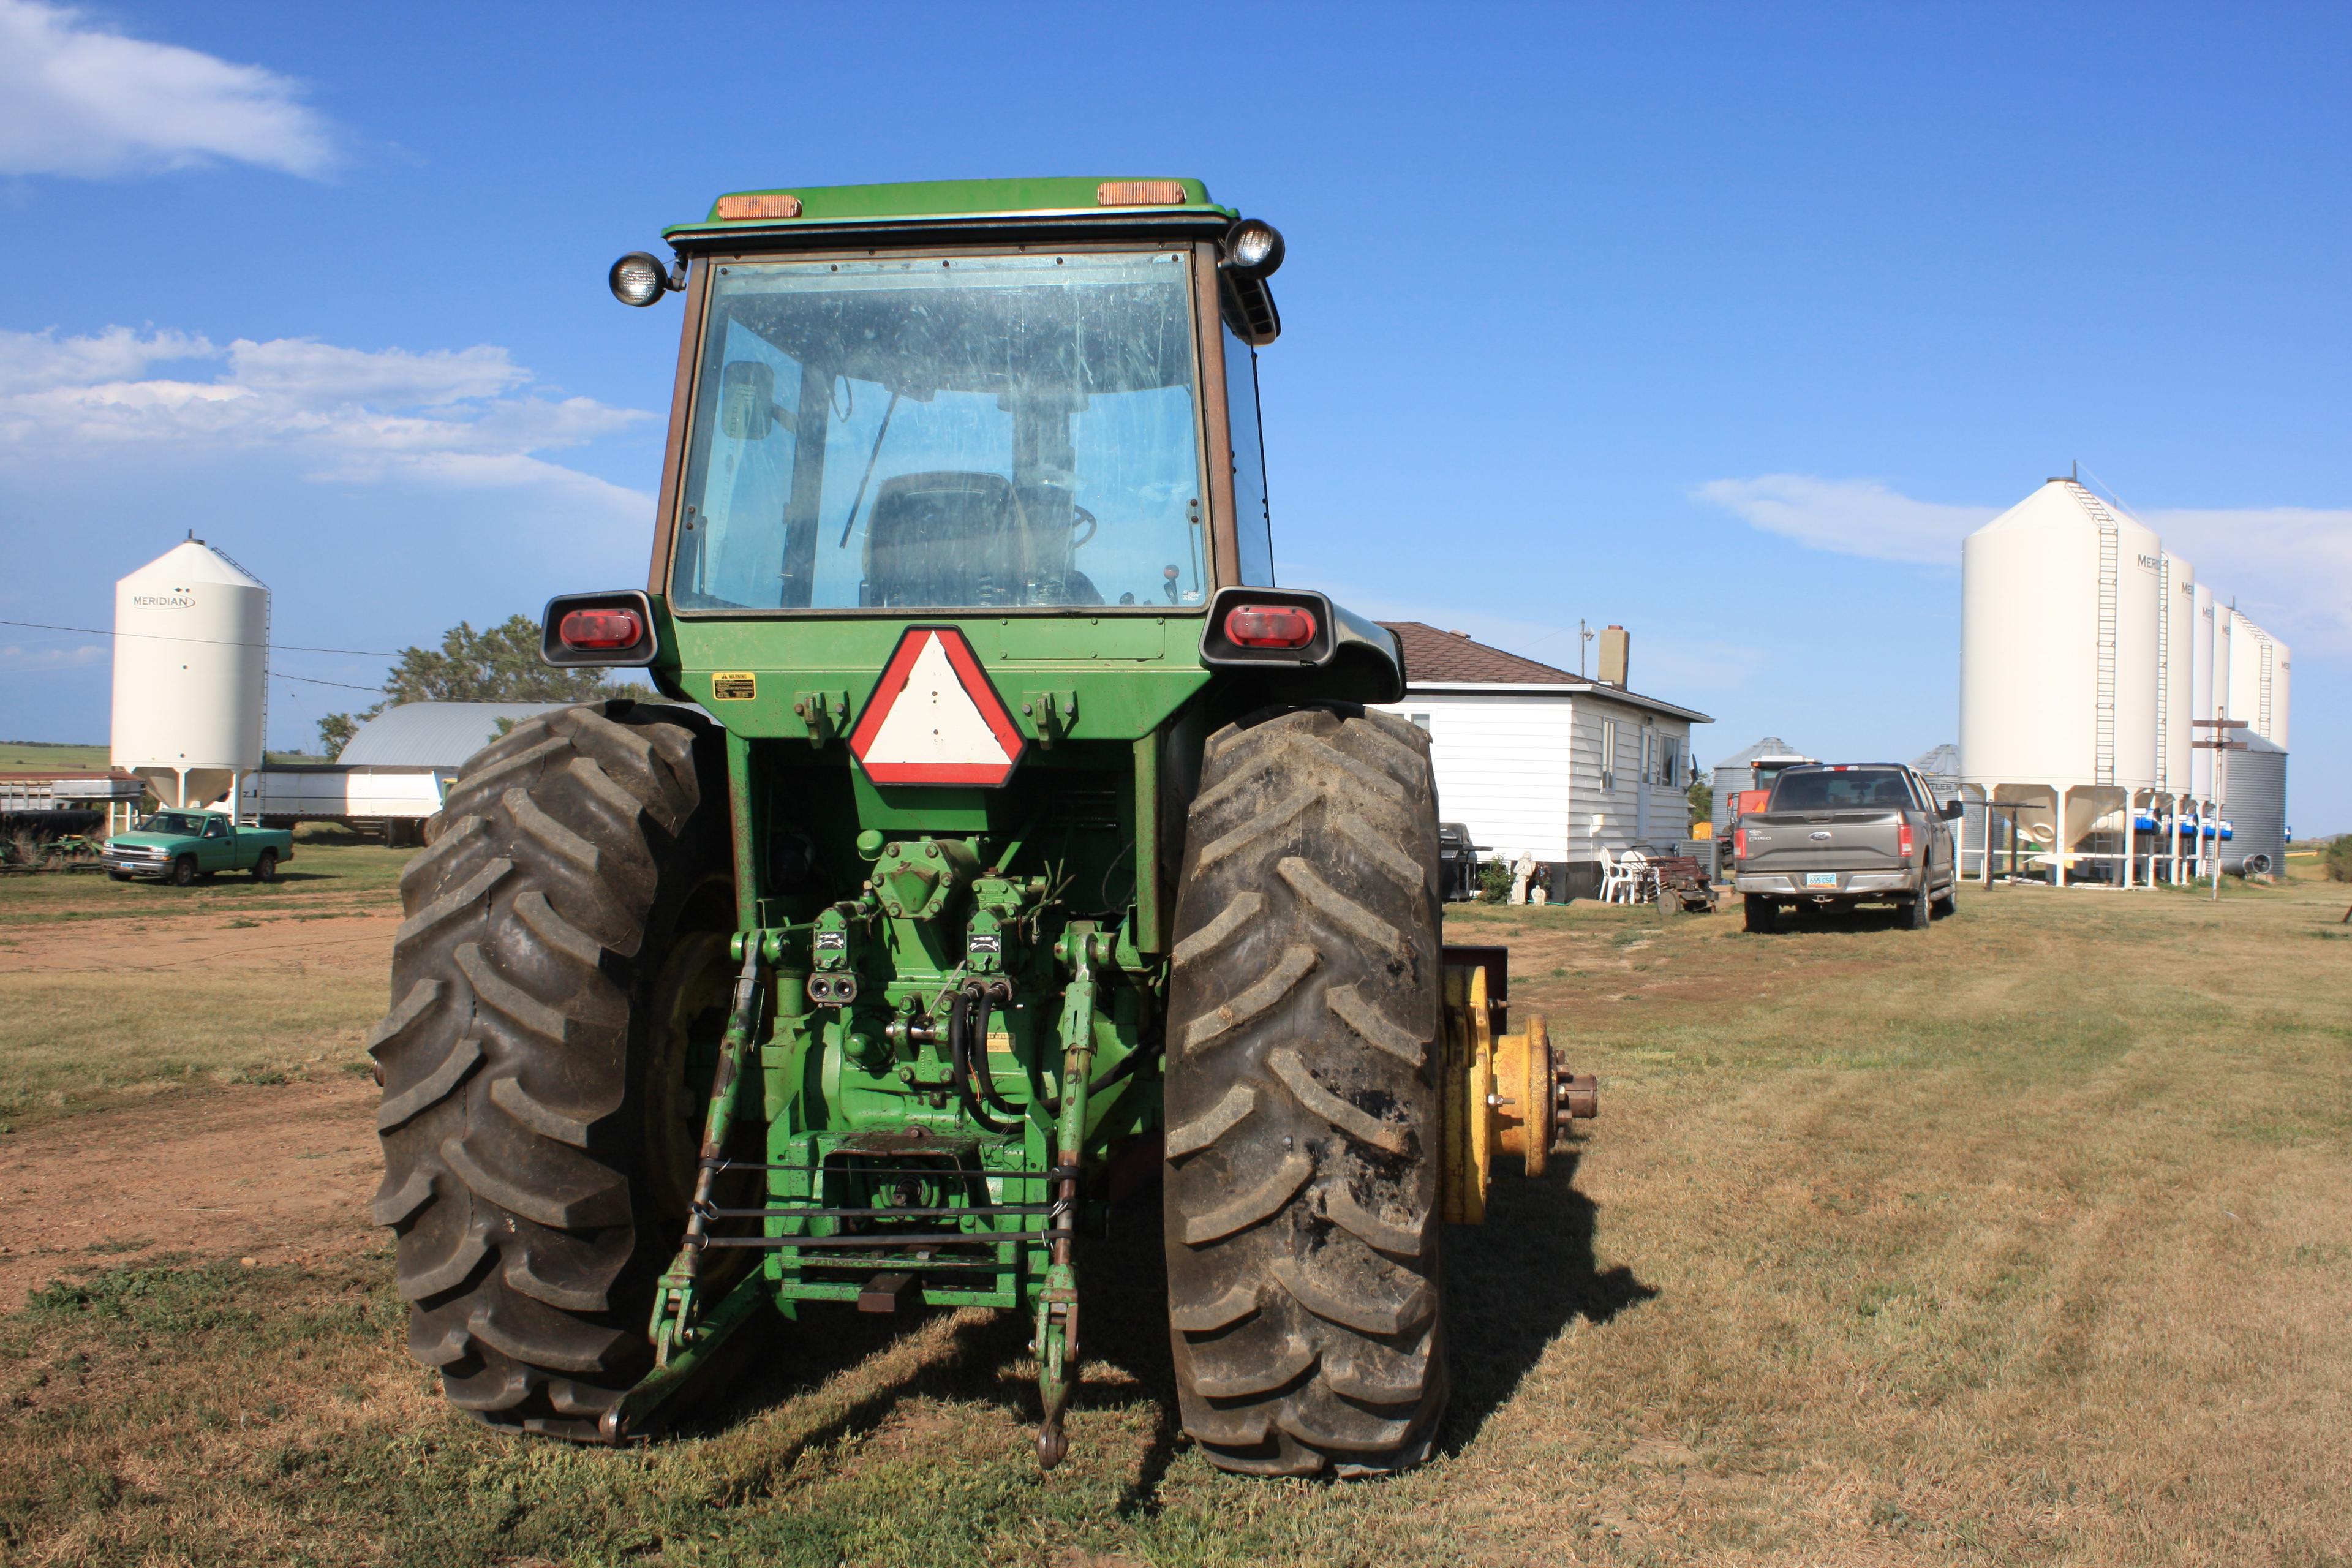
x=395, y=801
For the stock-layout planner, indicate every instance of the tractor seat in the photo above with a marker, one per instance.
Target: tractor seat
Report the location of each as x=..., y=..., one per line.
x=945, y=539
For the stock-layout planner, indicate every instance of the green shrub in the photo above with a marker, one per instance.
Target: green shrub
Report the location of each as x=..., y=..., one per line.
x=1494, y=881
x=2337, y=858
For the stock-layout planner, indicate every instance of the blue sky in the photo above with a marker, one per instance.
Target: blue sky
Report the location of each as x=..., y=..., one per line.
x=1723, y=323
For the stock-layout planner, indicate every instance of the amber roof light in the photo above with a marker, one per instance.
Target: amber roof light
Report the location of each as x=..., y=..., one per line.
x=1140, y=194
x=766, y=205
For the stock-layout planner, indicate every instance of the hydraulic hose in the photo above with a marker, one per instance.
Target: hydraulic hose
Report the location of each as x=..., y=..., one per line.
x=980, y=1001
x=959, y=1056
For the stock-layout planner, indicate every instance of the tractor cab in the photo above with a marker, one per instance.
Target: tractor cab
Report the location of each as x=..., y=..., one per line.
x=1048, y=406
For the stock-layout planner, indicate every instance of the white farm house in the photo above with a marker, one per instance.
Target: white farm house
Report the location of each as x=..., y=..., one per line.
x=1539, y=761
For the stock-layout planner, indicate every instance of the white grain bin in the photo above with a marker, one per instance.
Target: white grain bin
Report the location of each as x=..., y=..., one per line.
x=2060, y=598
x=2200, y=699
x=2176, y=680
x=191, y=656
x=2253, y=676
x=2223, y=619
x=2280, y=682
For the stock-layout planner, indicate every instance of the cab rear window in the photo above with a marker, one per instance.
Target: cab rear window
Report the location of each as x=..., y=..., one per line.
x=1847, y=789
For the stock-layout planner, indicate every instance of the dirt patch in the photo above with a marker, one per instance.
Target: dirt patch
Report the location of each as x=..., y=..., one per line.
x=276, y=1174
x=293, y=944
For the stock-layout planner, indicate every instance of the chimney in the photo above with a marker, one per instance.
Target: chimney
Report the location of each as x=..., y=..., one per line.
x=1613, y=649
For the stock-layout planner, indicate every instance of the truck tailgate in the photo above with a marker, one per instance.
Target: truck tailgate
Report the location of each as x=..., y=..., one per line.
x=1779, y=842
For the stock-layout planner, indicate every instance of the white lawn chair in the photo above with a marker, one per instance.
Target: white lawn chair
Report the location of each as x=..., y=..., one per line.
x=1640, y=882
x=1617, y=876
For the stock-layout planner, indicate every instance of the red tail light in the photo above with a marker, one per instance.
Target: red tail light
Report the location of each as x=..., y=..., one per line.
x=1740, y=844
x=600, y=631
x=1903, y=841
x=1270, y=625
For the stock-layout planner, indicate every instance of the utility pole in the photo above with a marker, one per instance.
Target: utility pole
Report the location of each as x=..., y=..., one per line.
x=2222, y=748
x=1584, y=635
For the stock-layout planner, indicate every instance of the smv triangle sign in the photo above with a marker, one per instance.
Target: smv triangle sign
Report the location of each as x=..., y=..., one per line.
x=934, y=718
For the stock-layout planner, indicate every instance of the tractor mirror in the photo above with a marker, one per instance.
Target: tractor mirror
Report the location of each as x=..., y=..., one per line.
x=747, y=400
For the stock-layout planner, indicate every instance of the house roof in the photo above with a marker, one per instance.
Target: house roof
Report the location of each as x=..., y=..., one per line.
x=1447, y=658
x=1438, y=660
x=432, y=734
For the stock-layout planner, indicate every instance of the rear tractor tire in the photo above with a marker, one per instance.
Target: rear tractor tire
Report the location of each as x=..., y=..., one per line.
x=1303, y=1143
x=530, y=1120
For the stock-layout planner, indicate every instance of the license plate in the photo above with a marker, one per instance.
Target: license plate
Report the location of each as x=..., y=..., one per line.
x=1820, y=879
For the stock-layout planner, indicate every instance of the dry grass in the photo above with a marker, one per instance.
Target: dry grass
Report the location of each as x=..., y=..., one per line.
x=2025, y=1240
x=115, y=990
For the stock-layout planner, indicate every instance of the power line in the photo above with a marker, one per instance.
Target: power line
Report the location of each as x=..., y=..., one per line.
x=224, y=642
x=314, y=680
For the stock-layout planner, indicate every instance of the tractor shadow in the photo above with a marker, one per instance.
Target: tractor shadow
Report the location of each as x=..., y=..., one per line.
x=1514, y=1283
x=985, y=1361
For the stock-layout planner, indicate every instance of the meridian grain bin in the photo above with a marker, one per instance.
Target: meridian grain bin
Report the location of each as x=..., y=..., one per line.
x=2258, y=678
x=191, y=656
x=2176, y=678
x=2060, y=603
x=2201, y=691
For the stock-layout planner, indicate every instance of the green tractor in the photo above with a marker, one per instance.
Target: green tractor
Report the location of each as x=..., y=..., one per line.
x=1022, y=848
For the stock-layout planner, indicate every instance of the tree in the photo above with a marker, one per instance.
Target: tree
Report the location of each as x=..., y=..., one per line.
x=499, y=664
x=1701, y=795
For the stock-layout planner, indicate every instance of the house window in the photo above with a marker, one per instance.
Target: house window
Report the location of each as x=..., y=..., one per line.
x=1666, y=760
x=1422, y=720
x=1609, y=753
x=1649, y=756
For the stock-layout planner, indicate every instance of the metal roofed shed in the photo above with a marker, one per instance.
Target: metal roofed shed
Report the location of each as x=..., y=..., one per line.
x=1754, y=767
x=390, y=774
x=433, y=734
x=1538, y=761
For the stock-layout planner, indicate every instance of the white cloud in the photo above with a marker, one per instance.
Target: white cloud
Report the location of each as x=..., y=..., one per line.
x=459, y=418
x=34, y=362
x=15, y=656
x=1850, y=517
x=77, y=98
x=2289, y=567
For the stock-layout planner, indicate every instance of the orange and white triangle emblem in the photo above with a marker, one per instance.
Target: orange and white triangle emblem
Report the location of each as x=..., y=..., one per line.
x=935, y=719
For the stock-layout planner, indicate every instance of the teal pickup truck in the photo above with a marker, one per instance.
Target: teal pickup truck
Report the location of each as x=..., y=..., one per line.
x=182, y=845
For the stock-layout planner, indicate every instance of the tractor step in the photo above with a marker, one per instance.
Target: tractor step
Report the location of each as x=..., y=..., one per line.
x=888, y=1292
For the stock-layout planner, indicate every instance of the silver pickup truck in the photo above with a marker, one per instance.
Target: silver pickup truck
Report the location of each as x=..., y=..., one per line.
x=1848, y=833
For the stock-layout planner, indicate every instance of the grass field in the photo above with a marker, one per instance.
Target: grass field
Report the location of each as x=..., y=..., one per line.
x=2026, y=1239
x=31, y=756
x=111, y=991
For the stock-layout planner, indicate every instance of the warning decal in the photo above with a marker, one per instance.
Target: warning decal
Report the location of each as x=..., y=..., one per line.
x=934, y=718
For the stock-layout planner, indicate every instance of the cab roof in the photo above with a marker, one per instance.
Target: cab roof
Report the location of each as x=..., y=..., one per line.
x=1118, y=201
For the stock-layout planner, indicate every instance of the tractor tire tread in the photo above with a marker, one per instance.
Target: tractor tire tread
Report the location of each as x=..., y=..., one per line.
x=511, y=1182
x=1303, y=1294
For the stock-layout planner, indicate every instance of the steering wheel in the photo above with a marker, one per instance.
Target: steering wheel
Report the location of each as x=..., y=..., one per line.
x=1083, y=519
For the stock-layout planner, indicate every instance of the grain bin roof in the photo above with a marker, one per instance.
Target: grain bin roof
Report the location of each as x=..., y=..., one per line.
x=433, y=734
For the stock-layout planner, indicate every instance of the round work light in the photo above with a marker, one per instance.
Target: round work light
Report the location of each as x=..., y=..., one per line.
x=1252, y=248
x=637, y=279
